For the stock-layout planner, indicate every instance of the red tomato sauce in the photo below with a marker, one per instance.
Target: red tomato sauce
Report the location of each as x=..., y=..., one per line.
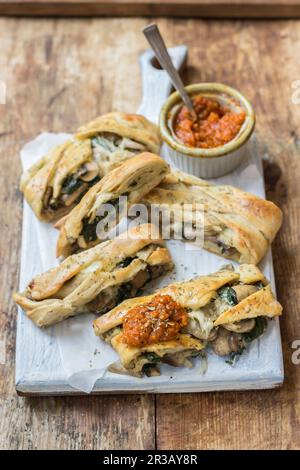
x=215, y=125
x=159, y=320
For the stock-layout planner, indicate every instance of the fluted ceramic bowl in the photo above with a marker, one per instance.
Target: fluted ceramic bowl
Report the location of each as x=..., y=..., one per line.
x=213, y=162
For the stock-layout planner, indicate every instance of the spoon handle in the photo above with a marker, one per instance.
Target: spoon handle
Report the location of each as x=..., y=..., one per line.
x=157, y=43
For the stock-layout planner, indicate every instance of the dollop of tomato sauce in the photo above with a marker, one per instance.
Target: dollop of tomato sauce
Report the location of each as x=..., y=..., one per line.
x=159, y=320
x=215, y=125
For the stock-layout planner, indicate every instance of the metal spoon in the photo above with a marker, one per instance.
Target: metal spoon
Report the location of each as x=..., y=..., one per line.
x=157, y=43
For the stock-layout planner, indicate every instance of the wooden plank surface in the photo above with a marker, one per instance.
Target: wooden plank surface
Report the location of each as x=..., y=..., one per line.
x=58, y=74
x=182, y=8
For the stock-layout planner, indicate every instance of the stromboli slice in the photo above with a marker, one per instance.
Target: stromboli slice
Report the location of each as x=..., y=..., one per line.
x=226, y=309
x=174, y=352
x=55, y=184
x=97, y=279
x=237, y=225
x=132, y=179
x=116, y=137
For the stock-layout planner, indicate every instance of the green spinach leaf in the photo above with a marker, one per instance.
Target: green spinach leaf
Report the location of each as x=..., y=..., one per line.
x=228, y=294
x=70, y=185
x=234, y=356
x=154, y=358
x=260, y=326
x=89, y=229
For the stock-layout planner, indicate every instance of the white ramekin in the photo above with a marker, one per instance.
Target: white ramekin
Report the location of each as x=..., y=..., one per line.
x=207, y=163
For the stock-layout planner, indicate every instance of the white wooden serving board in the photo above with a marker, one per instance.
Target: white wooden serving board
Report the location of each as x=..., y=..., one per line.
x=39, y=367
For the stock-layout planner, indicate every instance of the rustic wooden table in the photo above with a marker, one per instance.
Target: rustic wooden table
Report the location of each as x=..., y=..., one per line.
x=60, y=73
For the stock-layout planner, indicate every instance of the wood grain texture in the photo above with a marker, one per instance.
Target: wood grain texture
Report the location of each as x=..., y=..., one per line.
x=60, y=73
x=182, y=8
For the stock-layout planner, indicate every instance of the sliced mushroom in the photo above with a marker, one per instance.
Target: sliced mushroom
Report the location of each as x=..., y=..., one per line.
x=212, y=335
x=92, y=171
x=69, y=199
x=132, y=144
x=226, y=342
x=235, y=342
x=241, y=327
x=104, y=301
x=140, y=279
x=244, y=290
x=152, y=371
x=222, y=248
x=175, y=360
x=156, y=271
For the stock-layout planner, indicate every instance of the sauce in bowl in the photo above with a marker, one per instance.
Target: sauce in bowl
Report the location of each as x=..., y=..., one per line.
x=215, y=125
x=159, y=320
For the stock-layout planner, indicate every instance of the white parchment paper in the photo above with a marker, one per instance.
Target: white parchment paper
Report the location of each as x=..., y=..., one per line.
x=84, y=357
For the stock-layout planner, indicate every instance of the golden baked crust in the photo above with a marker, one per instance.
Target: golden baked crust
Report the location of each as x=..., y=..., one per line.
x=54, y=185
x=261, y=303
x=134, y=178
x=237, y=224
x=133, y=126
x=96, y=279
x=133, y=359
x=44, y=180
x=196, y=293
x=227, y=299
